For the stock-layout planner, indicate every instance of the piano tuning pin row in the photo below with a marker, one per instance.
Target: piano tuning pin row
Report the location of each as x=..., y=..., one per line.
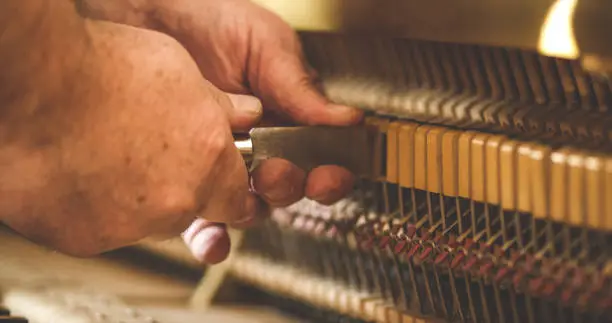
x=472, y=253
x=518, y=177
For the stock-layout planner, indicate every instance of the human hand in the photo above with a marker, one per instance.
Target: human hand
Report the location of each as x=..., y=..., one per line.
x=243, y=48
x=134, y=143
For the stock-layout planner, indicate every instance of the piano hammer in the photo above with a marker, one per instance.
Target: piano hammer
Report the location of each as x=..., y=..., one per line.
x=312, y=146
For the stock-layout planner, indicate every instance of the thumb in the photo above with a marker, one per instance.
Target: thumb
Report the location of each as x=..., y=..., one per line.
x=288, y=88
x=245, y=113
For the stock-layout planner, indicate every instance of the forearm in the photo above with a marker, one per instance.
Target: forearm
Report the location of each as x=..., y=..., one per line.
x=41, y=42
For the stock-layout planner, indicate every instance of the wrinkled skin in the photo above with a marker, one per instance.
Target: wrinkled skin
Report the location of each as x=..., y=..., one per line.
x=116, y=132
x=243, y=48
x=105, y=167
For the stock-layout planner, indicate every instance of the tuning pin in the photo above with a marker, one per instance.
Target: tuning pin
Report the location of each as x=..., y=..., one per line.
x=584, y=299
x=412, y=251
x=395, y=229
x=535, y=285
x=442, y=258
x=470, y=263
x=579, y=279
x=529, y=263
x=468, y=243
x=384, y=241
x=485, y=248
x=605, y=303
x=549, y=289
x=486, y=268
x=424, y=255
x=424, y=234
x=401, y=246
x=368, y=243
x=457, y=260
x=518, y=278
x=502, y=274
x=410, y=230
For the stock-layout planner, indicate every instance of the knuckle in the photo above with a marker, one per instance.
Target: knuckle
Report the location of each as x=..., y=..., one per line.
x=217, y=143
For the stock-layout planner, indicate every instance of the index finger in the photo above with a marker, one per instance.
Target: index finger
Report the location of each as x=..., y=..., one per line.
x=285, y=86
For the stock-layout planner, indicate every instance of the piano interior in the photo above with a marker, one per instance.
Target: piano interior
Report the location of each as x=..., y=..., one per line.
x=491, y=194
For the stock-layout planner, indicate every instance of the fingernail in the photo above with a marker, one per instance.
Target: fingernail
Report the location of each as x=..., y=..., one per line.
x=246, y=104
x=201, y=244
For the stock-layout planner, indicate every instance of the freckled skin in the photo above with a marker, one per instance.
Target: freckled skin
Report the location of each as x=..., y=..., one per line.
x=243, y=48
x=127, y=149
x=111, y=133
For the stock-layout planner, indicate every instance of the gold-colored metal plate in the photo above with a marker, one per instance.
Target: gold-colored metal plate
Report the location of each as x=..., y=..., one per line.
x=420, y=157
x=393, y=152
x=370, y=308
x=595, y=191
x=558, y=185
x=608, y=193
x=343, y=302
x=381, y=314
x=523, y=185
x=355, y=305
x=539, y=174
x=393, y=315
x=434, y=159
x=379, y=149
x=508, y=175
x=478, y=153
x=493, y=165
x=576, y=197
x=450, y=145
x=406, y=154
x=464, y=165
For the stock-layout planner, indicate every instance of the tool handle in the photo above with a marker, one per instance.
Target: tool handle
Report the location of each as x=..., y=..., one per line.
x=310, y=147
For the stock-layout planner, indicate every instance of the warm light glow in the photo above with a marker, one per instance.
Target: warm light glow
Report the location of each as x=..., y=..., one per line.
x=314, y=15
x=557, y=34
